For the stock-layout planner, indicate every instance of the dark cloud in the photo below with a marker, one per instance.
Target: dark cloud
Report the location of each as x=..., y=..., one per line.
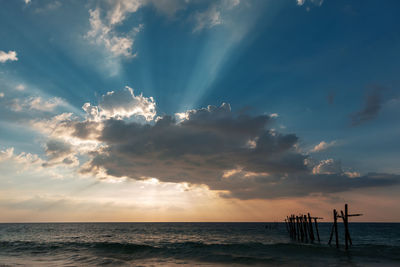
x=237, y=154
x=59, y=152
x=303, y=185
x=372, y=106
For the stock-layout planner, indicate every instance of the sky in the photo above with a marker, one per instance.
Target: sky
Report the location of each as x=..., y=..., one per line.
x=198, y=110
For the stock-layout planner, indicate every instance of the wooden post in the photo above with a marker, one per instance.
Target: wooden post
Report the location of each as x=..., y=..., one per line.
x=331, y=235
x=346, y=212
x=316, y=229
x=292, y=230
x=287, y=227
x=336, y=228
x=345, y=230
x=304, y=222
x=310, y=228
x=299, y=230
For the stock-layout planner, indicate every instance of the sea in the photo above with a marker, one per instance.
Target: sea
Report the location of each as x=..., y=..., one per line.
x=192, y=244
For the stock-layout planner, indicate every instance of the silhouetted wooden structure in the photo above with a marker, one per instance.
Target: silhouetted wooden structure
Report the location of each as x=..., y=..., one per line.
x=301, y=227
x=345, y=216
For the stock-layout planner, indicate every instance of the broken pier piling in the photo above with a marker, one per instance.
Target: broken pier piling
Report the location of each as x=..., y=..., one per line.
x=301, y=227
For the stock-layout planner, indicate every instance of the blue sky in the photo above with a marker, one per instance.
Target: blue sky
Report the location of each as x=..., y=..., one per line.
x=322, y=76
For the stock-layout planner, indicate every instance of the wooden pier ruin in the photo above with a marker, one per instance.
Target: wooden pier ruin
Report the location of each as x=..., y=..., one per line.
x=301, y=227
x=345, y=216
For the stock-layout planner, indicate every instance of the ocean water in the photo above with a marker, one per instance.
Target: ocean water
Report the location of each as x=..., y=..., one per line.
x=191, y=244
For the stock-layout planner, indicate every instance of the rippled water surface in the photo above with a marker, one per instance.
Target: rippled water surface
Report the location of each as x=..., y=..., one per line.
x=207, y=244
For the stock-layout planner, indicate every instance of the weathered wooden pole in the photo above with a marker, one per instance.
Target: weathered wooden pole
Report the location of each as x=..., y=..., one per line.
x=287, y=227
x=336, y=228
x=331, y=235
x=310, y=228
x=345, y=230
x=316, y=229
x=292, y=228
x=299, y=231
x=304, y=220
x=346, y=212
x=292, y=232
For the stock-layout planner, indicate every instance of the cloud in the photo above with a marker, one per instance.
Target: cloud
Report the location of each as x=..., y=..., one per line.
x=104, y=21
x=372, y=106
x=104, y=33
x=274, y=115
x=8, y=56
x=207, y=19
x=304, y=185
x=235, y=154
x=37, y=103
x=323, y=146
x=23, y=158
x=20, y=87
x=60, y=152
x=210, y=146
x=122, y=104
x=230, y=3
x=1, y=94
x=328, y=166
x=308, y=3
x=27, y=1
x=49, y=7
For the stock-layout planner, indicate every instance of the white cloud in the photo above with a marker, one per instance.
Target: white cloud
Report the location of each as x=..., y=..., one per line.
x=23, y=157
x=122, y=104
x=323, y=146
x=121, y=8
x=20, y=87
x=6, y=154
x=230, y=3
x=300, y=2
x=27, y=1
x=37, y=103
x=315, y=2
x=328, y=166
x=1, y=94
x=353, y=174
x=207, y=19
x=274, y=115
x=9, y=56
x=104, y=34
x=103, y=27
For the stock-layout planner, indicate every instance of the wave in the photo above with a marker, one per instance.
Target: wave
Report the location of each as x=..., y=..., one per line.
x=247, y=253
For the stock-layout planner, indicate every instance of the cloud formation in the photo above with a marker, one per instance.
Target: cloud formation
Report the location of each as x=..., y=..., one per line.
x=323, y=146
x=315, y=2
x=372, y=106
x=104, y=33
x=207, y=19
x=37, y=103
x=122, y=104
x=8, y=56
x=237, y=154
x=104, y=21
